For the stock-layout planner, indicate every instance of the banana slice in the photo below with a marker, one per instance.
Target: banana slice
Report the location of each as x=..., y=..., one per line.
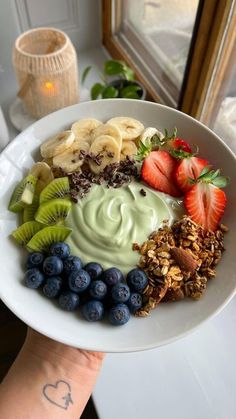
x=107, y=129
x=149, y=132
x=128, y=149
x=70, y=161
x=84, y=127
x=130, y=128
x=108, y=149
x=49, y=161
x=42, y=171
x=81, y=144
x=57, y=144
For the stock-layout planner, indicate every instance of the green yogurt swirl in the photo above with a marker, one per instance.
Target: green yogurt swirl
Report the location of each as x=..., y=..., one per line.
x=107, y=221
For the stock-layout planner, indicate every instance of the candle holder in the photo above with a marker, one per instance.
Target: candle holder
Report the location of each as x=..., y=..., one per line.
x=45, y=64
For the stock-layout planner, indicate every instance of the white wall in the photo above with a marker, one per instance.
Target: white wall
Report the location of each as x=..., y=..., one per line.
x=80, y=19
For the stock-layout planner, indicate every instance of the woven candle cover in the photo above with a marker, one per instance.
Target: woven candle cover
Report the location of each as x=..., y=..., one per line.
x=45, y=63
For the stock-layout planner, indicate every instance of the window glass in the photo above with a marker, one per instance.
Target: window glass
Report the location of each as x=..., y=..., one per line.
x=225, y=122
x=157, y=34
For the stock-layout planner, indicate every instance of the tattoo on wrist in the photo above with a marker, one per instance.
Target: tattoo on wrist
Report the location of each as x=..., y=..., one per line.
x=58, y=394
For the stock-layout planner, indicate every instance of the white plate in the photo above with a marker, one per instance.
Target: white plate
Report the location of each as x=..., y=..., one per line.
x=169, y=321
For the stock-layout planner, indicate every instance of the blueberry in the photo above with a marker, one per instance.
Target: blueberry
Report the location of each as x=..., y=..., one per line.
x=112, y=276
x=94, y=269
x=79, y=280
x=68, y=301
x=35, y=260
x=33, y=278
x=137, y=280
x=52, y=265
x=119, y=315
x=60, y=249
x=52, y=286
x=93, y=311
x=120, y=293
x=98, y=289
x=134, y=302
x=71, y=264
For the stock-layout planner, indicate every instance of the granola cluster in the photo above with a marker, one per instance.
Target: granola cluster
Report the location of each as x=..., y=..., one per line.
x=179, y=260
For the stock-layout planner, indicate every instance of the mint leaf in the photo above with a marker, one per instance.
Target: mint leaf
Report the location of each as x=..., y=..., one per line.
x=85, y=73
x=96, y=90
x=110, y=92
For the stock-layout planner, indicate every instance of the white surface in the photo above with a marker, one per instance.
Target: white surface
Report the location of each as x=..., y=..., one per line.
x=194, y=378
x=4, y=135
x=167, y=323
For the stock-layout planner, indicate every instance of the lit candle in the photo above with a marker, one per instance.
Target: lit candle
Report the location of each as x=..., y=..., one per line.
x=49, y=88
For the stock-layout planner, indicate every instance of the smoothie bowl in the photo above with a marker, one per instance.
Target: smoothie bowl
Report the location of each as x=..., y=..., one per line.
x=119, y=219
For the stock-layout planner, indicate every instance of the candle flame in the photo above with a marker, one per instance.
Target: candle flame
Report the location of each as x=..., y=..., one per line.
x=49, y=85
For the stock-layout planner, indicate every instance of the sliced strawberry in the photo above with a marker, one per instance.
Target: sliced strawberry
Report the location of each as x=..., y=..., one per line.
x=189, y=168
x=179, y=144
x=171, y=142
x=205, y=202
x=158, y=171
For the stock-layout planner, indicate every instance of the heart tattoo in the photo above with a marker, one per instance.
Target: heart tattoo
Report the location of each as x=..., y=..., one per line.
x=58, y=394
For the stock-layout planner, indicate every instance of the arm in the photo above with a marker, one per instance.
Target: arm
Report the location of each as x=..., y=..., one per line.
x=48, y=380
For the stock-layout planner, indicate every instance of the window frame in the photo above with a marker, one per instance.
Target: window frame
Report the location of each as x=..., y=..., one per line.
x=208, y=33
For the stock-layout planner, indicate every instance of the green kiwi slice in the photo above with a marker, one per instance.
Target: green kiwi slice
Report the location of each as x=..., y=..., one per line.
x=23, y=194
x=26, y=231
x=57, y=188
x=53, y=212
x=42, y=241
x=30, y=210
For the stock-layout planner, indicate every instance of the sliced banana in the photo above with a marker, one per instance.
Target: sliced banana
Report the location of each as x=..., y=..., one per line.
x=108, y=149
x=70, y=161
x=149, y=133
x=128, y=149
x=49, y=161
x=130, y=128
x=83, y=128
x=81, y=144
x=107, y=129
x=42, y=171
x=57, y=144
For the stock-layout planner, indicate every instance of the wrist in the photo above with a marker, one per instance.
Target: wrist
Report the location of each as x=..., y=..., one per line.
x=62, y=356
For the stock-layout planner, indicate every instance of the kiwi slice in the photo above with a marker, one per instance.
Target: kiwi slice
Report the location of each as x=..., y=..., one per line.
x=53, y=212
x=26, y=231
x=57, y=188
x=30, y=210
x=23, y=194
x=42, y=241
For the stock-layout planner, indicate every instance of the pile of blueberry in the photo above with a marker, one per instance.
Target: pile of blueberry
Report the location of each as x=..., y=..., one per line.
x=95, y=290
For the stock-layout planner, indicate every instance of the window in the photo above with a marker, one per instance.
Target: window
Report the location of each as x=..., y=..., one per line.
x=183, y=51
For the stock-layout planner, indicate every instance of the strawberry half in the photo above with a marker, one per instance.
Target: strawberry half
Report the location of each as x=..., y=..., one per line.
x=179, y=144
x=158, y=171
x=205, y=202
x=189, y=168
x=171, y=142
